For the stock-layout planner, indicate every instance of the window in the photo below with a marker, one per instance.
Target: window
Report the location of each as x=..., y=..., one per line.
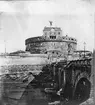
x=54, y=33
x=45, y=33
x=53, y=52
x=72, y=39
x=58, y=33
x=57, y=53
x=52, y=37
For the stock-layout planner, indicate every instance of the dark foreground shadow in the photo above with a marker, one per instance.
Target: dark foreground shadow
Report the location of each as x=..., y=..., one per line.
x=36, y=96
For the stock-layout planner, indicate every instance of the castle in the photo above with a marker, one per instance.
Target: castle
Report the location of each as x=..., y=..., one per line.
x=52, y=42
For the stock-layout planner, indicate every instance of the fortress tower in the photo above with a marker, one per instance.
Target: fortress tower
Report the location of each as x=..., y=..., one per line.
x=51, y=42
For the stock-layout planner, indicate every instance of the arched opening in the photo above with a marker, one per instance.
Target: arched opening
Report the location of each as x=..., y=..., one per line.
x=82, y=90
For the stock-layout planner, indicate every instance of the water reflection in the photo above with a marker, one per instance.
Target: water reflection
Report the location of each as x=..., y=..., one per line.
x=24, y=96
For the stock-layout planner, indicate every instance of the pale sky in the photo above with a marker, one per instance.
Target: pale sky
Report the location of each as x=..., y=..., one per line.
x=20, y=20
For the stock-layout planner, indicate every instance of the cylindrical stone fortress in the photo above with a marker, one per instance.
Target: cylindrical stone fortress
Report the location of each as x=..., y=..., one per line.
x=51, y=42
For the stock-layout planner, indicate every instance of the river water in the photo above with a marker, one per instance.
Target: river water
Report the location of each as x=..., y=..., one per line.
x=28, y=97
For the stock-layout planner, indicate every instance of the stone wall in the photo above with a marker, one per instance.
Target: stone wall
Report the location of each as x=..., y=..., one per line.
x=42, y=47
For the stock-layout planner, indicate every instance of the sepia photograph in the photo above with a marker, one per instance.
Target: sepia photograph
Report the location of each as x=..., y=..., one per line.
x=47, y=52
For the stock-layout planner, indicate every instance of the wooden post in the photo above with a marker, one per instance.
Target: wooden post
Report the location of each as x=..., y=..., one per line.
x=59, y=77
x=84, y=49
